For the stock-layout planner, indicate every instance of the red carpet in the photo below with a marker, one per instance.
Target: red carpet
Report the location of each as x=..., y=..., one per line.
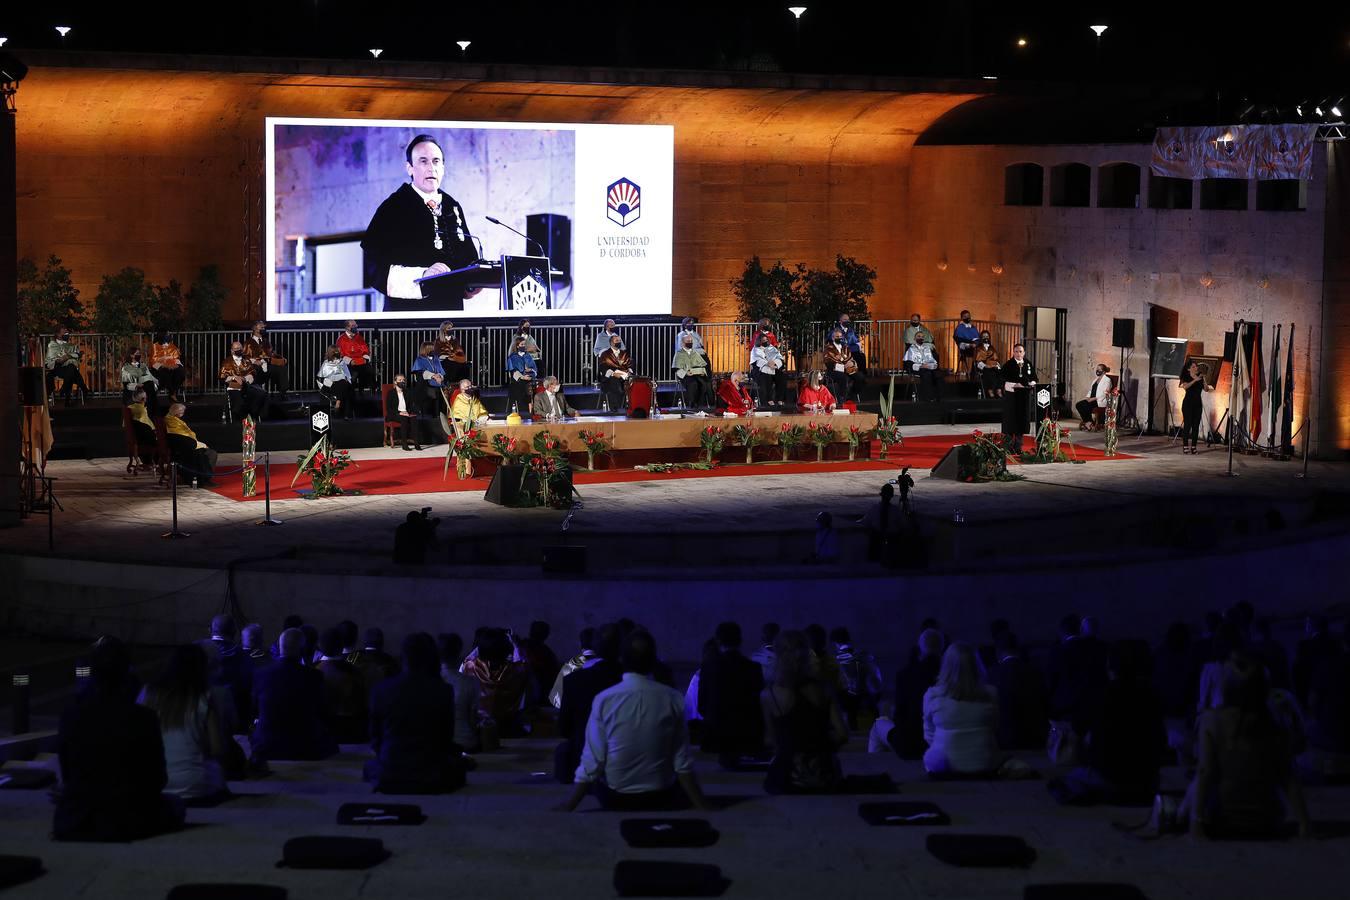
x=423, y=476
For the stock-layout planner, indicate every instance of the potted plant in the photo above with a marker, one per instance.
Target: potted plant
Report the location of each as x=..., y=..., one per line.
x=822, y=436
x=749, y=438
x=596, y=443
x=546, y=443
x=855, y=437
x=512, y=450
x=466, y=448
x=323, y=465
x=712, y=439
x=790, y=438
x=888, y=433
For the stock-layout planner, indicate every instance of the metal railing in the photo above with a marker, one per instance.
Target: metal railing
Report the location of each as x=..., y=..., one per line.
x=568, y=350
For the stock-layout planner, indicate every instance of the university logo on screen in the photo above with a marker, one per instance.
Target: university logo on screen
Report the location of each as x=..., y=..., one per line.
x=623, y=207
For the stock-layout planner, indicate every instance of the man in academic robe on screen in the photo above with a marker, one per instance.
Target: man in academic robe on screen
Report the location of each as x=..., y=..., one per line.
x=417, y=232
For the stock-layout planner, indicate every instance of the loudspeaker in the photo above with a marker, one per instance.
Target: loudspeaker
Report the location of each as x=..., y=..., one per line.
x=570, y=560
x=554, y=232
x=948, y=465
x=1122, y=333
x=505, y=487
x=32, y=385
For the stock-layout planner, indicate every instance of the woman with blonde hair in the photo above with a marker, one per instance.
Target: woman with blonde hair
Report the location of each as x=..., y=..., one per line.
x=960, y=717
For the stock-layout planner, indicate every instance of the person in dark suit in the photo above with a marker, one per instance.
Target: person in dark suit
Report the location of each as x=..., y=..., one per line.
x=1018, y=377
x=371, y=661
x=112, y=759
x=1076, y=673
x=579, y=692
x=412, y=727
x=289, y=698
x=911, y=683
x=1022, y=723
x=729, y=686
x=235, y=671
x=401, y=409
x=344, y=691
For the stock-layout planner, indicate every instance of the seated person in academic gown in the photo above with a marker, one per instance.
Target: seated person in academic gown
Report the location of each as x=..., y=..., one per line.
x=815, y=395
x=922, y=361
x=336, y=379
x=615, y=370
x=691, y=367
x=429, y=378
x=550, y=403
x=356, y=355
x=732, y=394
x=245, y=396
x=468, y=408
x=141, y=423
x=187, y=450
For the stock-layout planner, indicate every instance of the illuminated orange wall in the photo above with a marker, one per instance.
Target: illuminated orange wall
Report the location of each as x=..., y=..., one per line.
x=163, y=170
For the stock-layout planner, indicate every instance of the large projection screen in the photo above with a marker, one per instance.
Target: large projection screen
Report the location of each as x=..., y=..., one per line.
x=599, y=196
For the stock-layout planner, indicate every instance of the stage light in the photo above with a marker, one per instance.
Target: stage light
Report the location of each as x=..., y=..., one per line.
x=376, y=53
x=797, y=10
x=1099, y=30
x=63, y=30
x=1336, y=111
x=1317, y=110
x=1299, y=110
x=3, y=41
x=463, y=46
x=1021, y=42
x=989, y=77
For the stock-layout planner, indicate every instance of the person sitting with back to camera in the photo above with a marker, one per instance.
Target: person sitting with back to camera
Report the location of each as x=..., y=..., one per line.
x=815, y=396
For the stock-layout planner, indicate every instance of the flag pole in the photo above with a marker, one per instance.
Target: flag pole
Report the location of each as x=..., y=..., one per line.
x=1274, y=378
x=1232, y=395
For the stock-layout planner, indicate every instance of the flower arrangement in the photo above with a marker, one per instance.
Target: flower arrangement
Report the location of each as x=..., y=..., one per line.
x=248, y=448
x=546, y=443
x=511, y=450
x=983, y=458
x=749, y=438
x=712, y=439
x=822, y=436
x=790, y=437
x=547, y=467
x=1112, y=439
x=1053, y=444
x=855, y=437
x=888, y=432
x=465, y=449
x=595, y=443
x=667, y=468
x=323, y=464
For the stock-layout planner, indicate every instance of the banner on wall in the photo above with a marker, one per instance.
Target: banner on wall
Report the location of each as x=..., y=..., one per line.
x=1267, y=152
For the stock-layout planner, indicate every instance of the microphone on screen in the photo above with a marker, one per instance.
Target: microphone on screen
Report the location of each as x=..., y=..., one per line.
x=495, y=221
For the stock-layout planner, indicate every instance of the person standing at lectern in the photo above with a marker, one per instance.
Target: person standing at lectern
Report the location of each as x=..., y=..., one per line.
x=1018, y=376
x=417, y=232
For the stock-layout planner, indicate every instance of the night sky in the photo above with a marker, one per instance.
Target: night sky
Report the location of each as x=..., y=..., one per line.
x=1302, y=58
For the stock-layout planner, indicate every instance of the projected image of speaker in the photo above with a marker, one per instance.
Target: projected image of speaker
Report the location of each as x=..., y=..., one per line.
x=553, y=232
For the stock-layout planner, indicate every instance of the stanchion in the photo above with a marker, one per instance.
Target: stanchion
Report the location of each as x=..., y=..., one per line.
x=173, y=487
x=267, y=492
x=1304, y=473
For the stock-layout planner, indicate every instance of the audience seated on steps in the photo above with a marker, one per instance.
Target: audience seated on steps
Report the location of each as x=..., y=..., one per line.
x=113, y=772
x=1022, y=706
x=1125, y=743
x=450, y=649
x=502, y=678
x=412, y=725
x=1076, y=672
x=1245, y=779
x=637, y=754
x=860, y=679
x=764, y=655
x=195, y=738
x=232, y=670
x=804, y=722
x=543, y=662
x=584, y=657
x=960, y=718
x=372, y=661
x=579, y=693
x=344, y=690
x=905, y=734
x=292, y=707
x=728, y=699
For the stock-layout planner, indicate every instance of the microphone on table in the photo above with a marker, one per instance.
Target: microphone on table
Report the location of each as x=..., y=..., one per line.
x=496, y=221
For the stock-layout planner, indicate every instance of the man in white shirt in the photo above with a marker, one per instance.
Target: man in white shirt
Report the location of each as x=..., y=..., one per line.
x=922, y=361
x=417, y=232
x=1097, y=396
x=637, y=754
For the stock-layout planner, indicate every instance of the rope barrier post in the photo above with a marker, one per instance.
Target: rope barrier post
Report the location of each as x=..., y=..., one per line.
x=267, y=492
x=1304, y=473
x=173, y=487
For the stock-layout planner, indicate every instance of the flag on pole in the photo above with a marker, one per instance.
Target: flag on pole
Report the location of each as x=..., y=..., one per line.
x=1256, y=386
x=1276, y=394
x=1287, y=445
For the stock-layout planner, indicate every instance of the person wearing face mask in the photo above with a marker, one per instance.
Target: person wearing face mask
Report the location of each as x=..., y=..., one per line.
x=841, y=367
x=916, y=327
x=521, y=375
x=987, y=367
x=451, y=353
x=166, y=362
x=243, y=395
x=732, y=394
x=922, y=362
x=1097, y=396
x=604, y=338
x=136, y=375
x=815, y=396
x=852, y=341
x=770, y=371
x=550, y=404
x=63, y=361
x=616, y=371
x=430, y=378
x=468, y=408
x=269, y=366
x=687, y=331
x=401, y=409
x=966, y=336
x=1019, y=376
x=691, y=367
x=356, y=356
x=336, y=380
x=524, y=332
x=419, y=231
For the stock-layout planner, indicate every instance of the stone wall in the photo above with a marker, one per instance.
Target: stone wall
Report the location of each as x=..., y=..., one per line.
x=1101, y=264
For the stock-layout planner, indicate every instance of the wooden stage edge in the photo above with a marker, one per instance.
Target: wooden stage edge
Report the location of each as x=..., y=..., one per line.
x=670, y=432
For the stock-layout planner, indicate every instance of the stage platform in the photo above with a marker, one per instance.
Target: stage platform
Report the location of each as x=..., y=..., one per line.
x=1132, y=540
